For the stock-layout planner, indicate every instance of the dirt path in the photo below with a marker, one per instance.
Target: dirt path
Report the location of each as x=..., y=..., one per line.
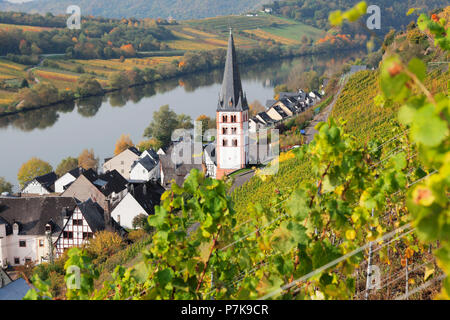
x=310, y=132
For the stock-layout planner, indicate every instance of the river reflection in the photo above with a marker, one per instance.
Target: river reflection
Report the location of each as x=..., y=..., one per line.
x=56, y=132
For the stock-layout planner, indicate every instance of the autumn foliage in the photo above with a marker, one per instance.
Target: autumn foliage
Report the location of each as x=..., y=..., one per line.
x=123, y=144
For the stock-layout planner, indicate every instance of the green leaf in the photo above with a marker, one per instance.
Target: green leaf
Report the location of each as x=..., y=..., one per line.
x=158, y=219
x=418, y=67
x=428, y=128
x=165, y=276
x=298, y=204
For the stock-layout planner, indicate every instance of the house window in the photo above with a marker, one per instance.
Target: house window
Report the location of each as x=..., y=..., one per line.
x=77, y=222
x=224, y=130
x=233, y=130
x=68, y=235
x=233, y=118
x=235, y=143
x=41, y=243
x=87, y=235
x=224, y=143
x=22, y=243
x=122, y=171
x=27, y=260
x=121, y=162
x=16, y=260
x=224, y=119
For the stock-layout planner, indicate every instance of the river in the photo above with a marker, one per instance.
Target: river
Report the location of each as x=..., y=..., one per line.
x=57, y=132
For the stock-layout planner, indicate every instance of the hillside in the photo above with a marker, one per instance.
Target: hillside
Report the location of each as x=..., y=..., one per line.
x=315, y=13
x=178, y=9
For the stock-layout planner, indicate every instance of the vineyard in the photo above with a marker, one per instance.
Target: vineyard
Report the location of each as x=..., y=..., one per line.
x=361, y=212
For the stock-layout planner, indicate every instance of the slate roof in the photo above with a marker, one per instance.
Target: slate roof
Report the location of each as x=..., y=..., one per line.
x=47, y=181
x=148, y=195
x=32, y=214
x=93, y=214
x=16, y=290
x=265, y=117
x=147, y=162
x=76, y=172
x=270, y=103
x=232, y=97
x=152, y=153
x=114, y=182
x=280, y=111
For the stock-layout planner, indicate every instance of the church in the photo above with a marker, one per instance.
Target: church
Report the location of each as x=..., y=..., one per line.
x=232, y=116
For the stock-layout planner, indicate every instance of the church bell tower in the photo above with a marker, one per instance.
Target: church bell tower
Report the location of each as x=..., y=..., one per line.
x=232, y=144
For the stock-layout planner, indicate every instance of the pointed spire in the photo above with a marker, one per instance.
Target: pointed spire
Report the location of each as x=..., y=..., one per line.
x=231, y=96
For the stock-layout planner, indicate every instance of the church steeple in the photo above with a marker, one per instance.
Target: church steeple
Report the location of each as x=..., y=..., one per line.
x=232, y=97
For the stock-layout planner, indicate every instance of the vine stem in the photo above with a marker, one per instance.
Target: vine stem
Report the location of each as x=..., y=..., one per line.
x=421, y=86
x=209, y=257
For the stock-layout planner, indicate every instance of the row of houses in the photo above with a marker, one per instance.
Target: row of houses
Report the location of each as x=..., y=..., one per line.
x=288, y=105
x=52, y=214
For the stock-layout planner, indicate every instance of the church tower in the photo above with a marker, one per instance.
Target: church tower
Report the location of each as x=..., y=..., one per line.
x=232, y=144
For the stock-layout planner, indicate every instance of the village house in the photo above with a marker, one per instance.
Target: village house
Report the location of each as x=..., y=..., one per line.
x=140, y=199
x=67, y=179
x=122, y=162
x=106, y=189
x=276, y=113
x=145, y=169
x=81, y=222
x=41, y=185
x=28, y=225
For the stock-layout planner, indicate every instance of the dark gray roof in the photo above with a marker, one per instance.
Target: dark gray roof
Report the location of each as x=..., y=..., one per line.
x=76, y=172
x=232, y=97
x=270, y=103
x=16, y=290
x=265, y=117
x=147, y=162
x=134, y=150
x=284, y=95
x=47, y=181
x=93, y=214
x=32, y=214
x=152, y=154
x=280, y=111
x=114, y=182
x=148, y=194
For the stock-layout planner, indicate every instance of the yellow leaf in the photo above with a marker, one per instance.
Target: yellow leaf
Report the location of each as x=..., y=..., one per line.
x=350, y=234
x=428, y=272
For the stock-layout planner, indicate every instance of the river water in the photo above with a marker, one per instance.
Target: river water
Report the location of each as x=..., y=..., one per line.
x=57, y=132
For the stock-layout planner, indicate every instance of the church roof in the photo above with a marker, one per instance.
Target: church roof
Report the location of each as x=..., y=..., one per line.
x=232, y=97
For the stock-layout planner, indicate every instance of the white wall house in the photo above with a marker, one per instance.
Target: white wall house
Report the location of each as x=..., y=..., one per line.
x=41, y=185
x=28, y=226
x=145, y=169
x=126, y=211
x=67, y=179
x=140, y=199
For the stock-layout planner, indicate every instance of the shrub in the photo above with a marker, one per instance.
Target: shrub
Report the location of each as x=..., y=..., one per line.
x=104, y=244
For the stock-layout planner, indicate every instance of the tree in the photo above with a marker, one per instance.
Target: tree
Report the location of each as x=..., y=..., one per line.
x=140, y=221
x=207, y=123
x=31, y=169
x=256, y=107
x=123, y=144
x=147, y=144
x=87, y=85
x=119, y=80
x=87, y=160
x=66, y=165
x=5, y=186
x=164, y=122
